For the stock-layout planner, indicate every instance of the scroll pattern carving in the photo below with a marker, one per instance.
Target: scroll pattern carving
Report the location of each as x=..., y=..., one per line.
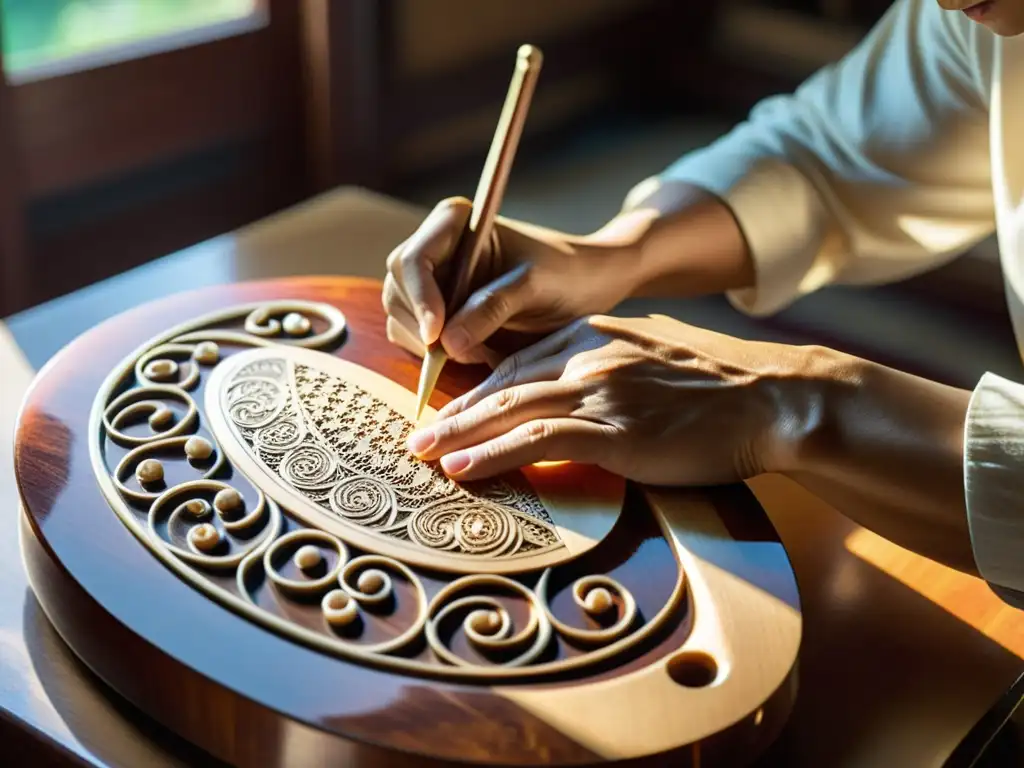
x=236, y=549
x=344, y=450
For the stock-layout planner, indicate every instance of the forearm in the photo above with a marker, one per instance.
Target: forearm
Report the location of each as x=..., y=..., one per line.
x=679, y=241
x=886, y=449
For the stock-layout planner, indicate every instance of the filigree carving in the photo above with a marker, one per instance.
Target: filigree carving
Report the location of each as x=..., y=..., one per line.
x=345, y=451
x=242, y=548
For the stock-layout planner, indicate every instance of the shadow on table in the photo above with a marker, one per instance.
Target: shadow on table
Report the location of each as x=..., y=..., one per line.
x=887, y=676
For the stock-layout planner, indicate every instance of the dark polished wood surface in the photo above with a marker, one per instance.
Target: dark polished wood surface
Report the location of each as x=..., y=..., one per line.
x=164, y=646
x=901, y=657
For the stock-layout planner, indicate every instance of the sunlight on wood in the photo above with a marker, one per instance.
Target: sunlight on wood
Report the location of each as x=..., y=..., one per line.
x=966, y=597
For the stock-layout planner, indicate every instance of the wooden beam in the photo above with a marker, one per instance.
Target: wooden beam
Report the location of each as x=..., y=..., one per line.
x=13, y=269
x=344, y=43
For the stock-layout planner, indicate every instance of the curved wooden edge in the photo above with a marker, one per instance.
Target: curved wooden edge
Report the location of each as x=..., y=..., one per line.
x=268, y=740
x=693, y=525
x=744, y=644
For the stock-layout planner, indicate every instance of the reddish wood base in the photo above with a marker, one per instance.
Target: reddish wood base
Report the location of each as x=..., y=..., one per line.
x=250, y=696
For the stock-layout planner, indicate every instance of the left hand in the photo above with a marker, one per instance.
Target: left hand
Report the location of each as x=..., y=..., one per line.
x=650, y=399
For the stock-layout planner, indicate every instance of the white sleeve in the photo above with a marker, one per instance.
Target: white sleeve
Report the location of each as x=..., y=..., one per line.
x=875, y=169
x=994, y=484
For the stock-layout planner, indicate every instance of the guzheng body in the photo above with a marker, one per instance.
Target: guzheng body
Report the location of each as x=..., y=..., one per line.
x=221, y=520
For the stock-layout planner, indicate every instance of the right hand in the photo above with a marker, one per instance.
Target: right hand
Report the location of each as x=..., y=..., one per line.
x=528, y=279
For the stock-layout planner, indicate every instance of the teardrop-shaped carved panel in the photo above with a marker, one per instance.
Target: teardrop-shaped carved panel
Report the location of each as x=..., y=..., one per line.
x=327, y=439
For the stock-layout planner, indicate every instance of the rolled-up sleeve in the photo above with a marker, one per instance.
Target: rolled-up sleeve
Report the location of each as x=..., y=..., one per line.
x=875, y=169
x=994, y=484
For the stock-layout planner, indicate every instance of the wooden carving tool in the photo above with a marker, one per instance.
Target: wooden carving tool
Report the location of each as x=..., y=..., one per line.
x=486, y=204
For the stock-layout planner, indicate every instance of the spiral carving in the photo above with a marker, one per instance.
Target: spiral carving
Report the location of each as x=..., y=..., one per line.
x=309, y=467
x=479, y=529
x=364, y=500
x=159, y=366
x=191, y=510
x=433, y=528
x=487, y=530
x=255, y=402
x=260, y=322
x=279, y=437
x=374, y=586
x=596, y=595
x=284, y=549
x=137, y=455
x=291, y=322
x=147, y=403
x=250, y=541
x=487, y=622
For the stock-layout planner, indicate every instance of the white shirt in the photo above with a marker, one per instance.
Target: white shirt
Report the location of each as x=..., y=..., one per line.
x=889, y=163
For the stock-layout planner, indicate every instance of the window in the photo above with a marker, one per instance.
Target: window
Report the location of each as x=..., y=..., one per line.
x=133, y=128
x=49, y=37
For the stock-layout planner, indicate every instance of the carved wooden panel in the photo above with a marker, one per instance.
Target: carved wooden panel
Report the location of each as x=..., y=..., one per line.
x=269, y=476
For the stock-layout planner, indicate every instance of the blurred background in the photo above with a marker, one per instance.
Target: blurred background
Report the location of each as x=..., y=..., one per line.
x=130, y=129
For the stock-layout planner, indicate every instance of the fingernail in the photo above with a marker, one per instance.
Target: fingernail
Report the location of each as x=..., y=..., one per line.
x=457, y=341
x=456, y=462
x=421, y=441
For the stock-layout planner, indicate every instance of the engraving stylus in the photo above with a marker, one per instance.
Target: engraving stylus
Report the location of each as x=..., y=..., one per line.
x=486, y=204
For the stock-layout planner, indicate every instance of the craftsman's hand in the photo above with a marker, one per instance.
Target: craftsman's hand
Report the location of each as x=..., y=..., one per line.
x=528, y=279
x=650, y=399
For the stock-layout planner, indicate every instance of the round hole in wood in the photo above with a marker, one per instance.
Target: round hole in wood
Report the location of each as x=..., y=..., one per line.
x=692, y=669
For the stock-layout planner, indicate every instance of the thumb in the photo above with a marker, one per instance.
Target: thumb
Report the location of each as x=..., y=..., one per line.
x=487, y=310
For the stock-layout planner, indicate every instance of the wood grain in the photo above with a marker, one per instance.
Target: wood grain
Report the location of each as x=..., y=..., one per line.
x=164, y=647
x=900, y=658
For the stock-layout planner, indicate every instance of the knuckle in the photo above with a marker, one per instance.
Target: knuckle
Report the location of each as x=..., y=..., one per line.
x=505, y=401
x=536, y=432
x=398, y=335
x=409, y=259
x=394, y=304
x=576, y=368
x=450, y=427
x=389, y=296
x=392, y=260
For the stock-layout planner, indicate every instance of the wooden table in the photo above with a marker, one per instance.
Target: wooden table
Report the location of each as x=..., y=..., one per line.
x=901, y=656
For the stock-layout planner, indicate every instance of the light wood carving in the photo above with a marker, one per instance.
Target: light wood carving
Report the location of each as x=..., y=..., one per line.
x=327, y=439
x=274, y=480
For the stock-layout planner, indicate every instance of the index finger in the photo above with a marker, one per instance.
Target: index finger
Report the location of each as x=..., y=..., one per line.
x=416, y=266
x=542, y=361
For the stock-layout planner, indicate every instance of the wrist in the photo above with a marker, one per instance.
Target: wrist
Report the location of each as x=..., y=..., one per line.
x=618, y=244
x=809, y=394
x=681, y=241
